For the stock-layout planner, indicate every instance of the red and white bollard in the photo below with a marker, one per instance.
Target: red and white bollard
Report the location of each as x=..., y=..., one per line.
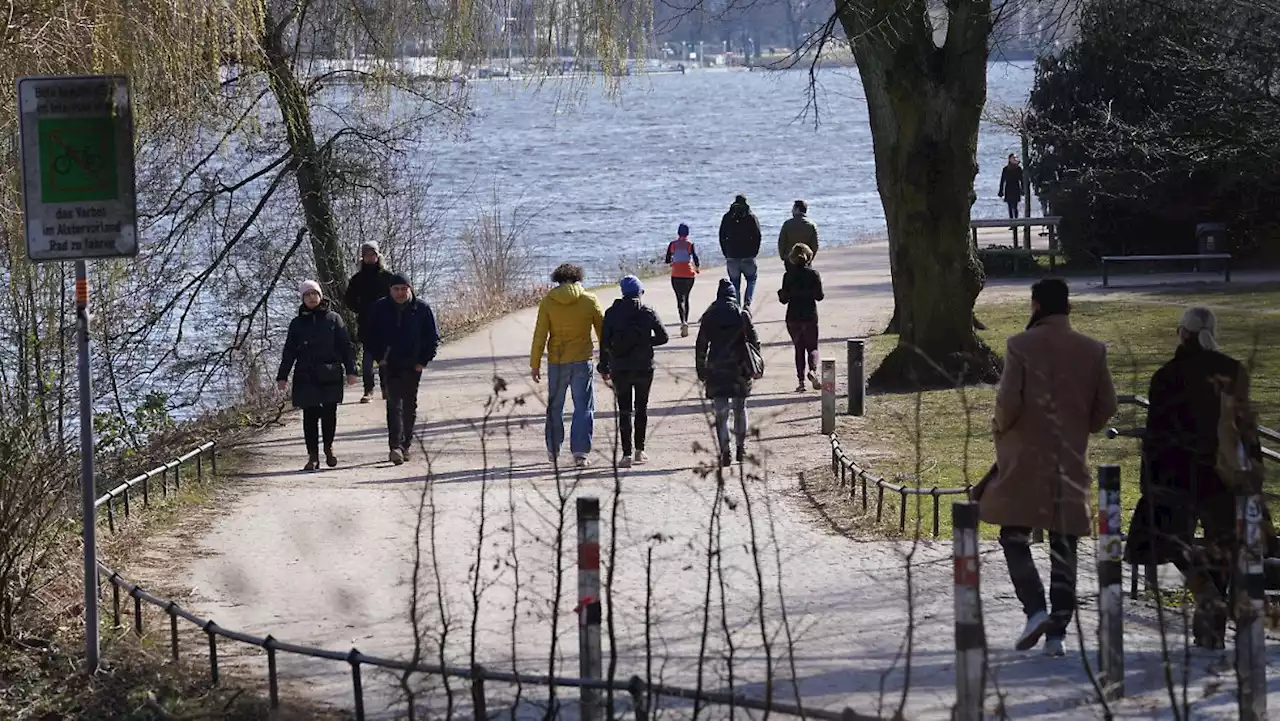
x=971, y=638
x=590, y=657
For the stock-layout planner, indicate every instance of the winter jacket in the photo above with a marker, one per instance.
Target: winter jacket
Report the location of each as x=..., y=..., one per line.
x=318, y=351
x=801, y=290
x=1056, y=389
x=369, y=285
x=798, y=229
x=566, y=316
x=721, y=349
x=402, y=335
x=631, y=331
x=739, y=232
x=1011, y=182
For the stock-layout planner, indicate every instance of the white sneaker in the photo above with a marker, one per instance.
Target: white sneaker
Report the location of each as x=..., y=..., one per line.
x=625, y=462
x=1036, y=627
x=642, y=458
x=813, y=380
x=1053, y=648
x=581, y=461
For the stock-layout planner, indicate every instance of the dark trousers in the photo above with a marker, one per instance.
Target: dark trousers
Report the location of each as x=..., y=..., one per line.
x=631, y=390
x=401, y=388
x=1013, y=205
x=317, y=419
x=368, y=365
x=1016, y=542
x=804, y=336
x=683, y=287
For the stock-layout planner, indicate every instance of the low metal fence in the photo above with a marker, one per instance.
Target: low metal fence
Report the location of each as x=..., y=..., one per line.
x=641, y=692
x=850, y=474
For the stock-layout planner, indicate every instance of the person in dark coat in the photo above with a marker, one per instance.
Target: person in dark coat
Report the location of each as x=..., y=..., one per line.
x=726, y=341
x=404, y=339
x=369, y=285
x=317, y=350
x=740, y=244
x=1182, y=483
x=801, y=291
x=1011, y=186
x=630, y=333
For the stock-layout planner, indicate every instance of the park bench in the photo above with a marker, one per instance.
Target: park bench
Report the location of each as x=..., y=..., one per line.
x=1049, y=223
x=1195, y=257
x=1026, y=254
x=1271, y=566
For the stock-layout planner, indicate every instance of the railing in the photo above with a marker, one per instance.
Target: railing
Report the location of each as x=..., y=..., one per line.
x=850, y=473
x=640, y=691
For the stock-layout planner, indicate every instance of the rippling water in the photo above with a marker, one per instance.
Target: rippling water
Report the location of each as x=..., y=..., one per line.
x=610, y=177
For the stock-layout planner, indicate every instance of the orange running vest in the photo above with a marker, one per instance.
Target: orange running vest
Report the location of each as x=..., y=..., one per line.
x=681, y=252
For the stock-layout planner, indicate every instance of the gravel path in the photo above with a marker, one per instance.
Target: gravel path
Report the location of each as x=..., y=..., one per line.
x=326, y=559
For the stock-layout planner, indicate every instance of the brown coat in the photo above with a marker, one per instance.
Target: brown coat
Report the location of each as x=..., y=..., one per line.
x=1056, y=389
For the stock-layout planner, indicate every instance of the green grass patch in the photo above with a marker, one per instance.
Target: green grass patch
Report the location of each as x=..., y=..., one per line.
x=943, y=438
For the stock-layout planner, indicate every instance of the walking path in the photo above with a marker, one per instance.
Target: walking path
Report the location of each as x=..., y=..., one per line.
x=326, y=558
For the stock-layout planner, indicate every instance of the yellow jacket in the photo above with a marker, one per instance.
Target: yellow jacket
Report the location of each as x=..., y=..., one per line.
x=566, y=316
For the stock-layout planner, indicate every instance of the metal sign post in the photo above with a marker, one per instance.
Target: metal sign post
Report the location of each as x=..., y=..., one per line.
x=79, y=202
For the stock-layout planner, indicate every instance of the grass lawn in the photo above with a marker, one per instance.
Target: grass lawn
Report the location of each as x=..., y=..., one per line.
x=943, y=438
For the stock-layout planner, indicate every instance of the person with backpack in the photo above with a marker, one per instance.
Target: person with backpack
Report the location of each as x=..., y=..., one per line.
x=317, y=351
x=683, y=259
x=801, y=291
x=631, y=331
x=740, y=244
x=727, y=358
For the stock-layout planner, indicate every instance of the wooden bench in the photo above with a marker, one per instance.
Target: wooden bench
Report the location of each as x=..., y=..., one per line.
x=1030, y=253
x=1196, y=257
x=1050, y=223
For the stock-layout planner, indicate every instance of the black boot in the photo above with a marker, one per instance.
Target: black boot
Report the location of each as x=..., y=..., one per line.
x=330, y=459
x=742, y=454
x=313, y=461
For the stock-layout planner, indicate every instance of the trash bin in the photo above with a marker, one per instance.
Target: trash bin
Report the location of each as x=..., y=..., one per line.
x=1211, y=238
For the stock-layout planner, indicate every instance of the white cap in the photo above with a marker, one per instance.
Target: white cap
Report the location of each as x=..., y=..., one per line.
x=1203, y=324
x=307, y=286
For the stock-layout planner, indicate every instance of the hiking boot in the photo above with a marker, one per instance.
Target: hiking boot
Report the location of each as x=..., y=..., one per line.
x=313, y=463
x=813, y=379
x=1053, y=648
x=801, y=388
x=396, y=456
x=625, y=462
x=1037, y=625
x=404, y=452
x=330, y=459
x=684, y=330
x=741, y=455
x=367, y=397
x=641, y=458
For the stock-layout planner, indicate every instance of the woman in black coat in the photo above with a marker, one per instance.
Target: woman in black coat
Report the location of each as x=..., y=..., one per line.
x=1181, y=481
x=728, y=360
x=318, y=351
x=801, y=291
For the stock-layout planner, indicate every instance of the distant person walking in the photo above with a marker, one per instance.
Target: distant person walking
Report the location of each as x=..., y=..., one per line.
x=740, y=244
x=1011, y=185
x=683, y=259
x=405, y=340
x=631, y=331
x=801, y=291
x=797, y=230
x=369, y=285
x=1056, y=389
x=727, y=358
x=566, y=317
x=318, y=351
x=1186, y=480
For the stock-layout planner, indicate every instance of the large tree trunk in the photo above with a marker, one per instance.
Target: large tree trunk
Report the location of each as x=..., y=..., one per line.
x=314, y=189
x=925, y=104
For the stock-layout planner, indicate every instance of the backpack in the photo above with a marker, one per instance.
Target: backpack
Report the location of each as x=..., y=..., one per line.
x=630, y=339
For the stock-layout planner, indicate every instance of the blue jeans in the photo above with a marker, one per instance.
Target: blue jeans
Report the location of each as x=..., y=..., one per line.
x=738, y=267
x=565, y=379
x=722, y=408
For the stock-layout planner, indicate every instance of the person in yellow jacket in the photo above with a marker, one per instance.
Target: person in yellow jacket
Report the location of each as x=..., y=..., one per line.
x=566, y=316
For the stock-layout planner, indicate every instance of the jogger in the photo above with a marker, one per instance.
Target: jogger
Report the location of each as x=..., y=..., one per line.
x=683, y=259
x=683, y=288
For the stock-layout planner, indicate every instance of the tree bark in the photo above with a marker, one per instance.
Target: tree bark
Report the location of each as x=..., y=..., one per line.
x=314, y=188
x=925, y=104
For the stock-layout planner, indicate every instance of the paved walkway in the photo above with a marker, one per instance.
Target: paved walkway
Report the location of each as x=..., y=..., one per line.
x=326, y=558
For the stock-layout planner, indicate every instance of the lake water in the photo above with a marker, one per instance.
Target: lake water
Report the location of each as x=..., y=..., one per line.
x=611, y=177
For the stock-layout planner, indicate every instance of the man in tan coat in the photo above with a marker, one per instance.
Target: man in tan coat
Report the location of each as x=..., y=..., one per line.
x=1056, y=390
x=798, y=229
